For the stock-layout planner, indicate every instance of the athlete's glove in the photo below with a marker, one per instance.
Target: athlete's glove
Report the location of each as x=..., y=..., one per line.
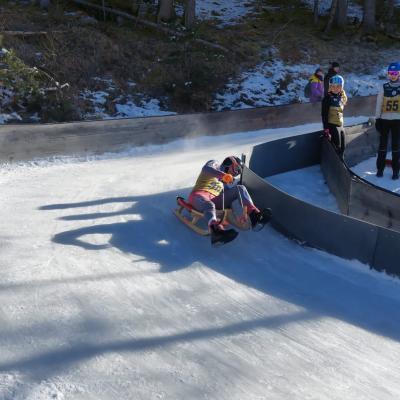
x=327, y=134
x=227, y=178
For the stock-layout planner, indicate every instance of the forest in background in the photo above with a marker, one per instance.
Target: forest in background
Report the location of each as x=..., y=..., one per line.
x=56, y=53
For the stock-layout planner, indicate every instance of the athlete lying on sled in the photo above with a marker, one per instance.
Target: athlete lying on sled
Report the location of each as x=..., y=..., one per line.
x=211, y=194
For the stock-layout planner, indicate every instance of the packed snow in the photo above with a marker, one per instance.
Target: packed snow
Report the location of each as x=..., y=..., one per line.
x=307, y=184
x=106, y=295
x=367, y=170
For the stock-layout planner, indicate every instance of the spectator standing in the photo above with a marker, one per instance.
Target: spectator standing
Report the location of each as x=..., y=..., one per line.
x=317, y=86
x=388, y=120
x=332, y=113
x=333, y=70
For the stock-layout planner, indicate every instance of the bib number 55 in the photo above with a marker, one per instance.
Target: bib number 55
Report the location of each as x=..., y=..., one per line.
x=392, y=105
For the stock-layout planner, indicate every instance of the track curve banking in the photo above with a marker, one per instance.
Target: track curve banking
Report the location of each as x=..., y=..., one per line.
x=367, y=229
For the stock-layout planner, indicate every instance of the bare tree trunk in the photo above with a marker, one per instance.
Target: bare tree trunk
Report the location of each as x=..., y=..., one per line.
x=150, y=24
x=190, y=13
x=390, y=9
x=341, y=15
x=166, y=10
x=30, y=33
x=332, y=14
x=44, y=4
x=369, y=16
x=104, y=13
x=316, y=11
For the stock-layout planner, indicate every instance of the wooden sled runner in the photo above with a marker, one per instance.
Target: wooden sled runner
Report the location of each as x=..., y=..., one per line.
x=193, y=218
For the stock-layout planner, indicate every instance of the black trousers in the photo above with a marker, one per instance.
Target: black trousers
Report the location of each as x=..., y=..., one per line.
x=389, y=126
x=337, y=137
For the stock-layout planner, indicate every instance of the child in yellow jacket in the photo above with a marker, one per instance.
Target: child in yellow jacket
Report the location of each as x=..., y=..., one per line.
x=332, y=112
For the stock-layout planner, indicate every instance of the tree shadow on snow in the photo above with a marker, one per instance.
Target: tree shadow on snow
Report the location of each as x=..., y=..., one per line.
x=47, y=363
x=265, y=260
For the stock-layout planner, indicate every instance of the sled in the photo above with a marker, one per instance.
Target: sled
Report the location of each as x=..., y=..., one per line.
x=195, y=219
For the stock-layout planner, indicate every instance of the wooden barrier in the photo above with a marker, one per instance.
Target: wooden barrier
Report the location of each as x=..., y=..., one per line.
x=24, y=142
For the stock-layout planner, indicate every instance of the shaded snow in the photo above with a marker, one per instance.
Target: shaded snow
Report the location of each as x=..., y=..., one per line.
x=126, y=106
x=354, y=10
x=226, y=12
x=144, y=109
x=9, y=117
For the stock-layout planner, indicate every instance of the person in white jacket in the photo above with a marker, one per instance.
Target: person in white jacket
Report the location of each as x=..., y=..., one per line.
x=387, y=120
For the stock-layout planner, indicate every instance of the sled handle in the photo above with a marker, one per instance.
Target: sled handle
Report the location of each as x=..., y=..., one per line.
x=243, y=162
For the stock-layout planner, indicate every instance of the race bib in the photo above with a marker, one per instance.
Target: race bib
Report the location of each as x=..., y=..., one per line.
x=391, y=104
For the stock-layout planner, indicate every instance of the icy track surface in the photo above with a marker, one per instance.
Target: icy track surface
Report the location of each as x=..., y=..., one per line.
x=307, y=184
x=104, y=294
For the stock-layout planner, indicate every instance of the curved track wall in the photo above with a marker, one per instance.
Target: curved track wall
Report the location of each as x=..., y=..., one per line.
x=356, y=196
x=27, y=142
x=335, y=233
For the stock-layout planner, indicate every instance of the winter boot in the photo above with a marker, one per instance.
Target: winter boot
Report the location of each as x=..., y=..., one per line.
x=395, y=175
x=220, y=236
x=379, y=173
x=260, y=218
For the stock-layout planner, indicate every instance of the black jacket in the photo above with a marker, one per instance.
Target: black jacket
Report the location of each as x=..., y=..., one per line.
x=332, y=109
x=328, y=76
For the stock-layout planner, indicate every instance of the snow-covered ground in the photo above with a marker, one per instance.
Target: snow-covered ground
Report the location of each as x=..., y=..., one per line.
x=4, y=117
x=276, y=83
x=226, y=12
x=269, y=84
x=106, y=295
x=123, y=106
x=354, y=10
